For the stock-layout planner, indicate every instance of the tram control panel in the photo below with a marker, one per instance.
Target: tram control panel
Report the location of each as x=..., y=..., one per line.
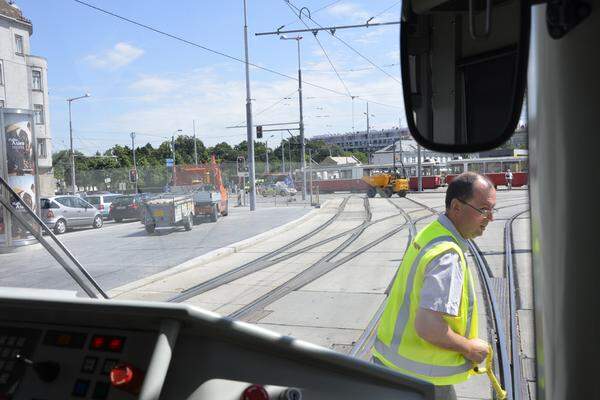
x=71, y=348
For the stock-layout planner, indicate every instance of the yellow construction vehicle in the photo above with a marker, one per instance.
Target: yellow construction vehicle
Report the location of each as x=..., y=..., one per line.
x=386, y=184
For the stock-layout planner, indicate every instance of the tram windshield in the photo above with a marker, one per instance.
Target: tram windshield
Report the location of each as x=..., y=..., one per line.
x=109, y=99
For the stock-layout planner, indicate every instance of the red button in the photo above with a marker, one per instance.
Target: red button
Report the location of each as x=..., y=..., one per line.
x=126, y=377
x=115, y=344
x=121, y=375
x=98, y=342
x=255, y=392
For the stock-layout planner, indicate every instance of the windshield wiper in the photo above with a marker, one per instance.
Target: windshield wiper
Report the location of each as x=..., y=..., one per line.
x=98, y=292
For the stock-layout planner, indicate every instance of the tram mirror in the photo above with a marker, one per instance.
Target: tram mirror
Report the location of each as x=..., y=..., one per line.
x=463, y=71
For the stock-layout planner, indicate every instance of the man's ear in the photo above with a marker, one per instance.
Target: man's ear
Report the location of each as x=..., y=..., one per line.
x=455, y=205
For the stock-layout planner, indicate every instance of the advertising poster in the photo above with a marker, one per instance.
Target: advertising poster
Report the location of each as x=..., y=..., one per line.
x=19, y=144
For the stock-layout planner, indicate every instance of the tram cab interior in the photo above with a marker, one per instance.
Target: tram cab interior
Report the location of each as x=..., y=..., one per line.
x=188, y=353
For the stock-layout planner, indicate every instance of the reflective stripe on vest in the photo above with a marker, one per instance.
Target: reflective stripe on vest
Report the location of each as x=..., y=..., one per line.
x=392, y=352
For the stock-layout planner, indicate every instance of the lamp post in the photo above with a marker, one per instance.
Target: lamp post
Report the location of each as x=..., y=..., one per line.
x=249, y=138
x=302, y=148
x=71, y=139
x=134, y=163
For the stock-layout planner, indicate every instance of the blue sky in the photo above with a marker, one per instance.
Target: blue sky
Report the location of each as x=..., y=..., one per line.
x=151, y=84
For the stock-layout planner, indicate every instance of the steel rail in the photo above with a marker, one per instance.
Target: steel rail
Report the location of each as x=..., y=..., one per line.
x=268, y=260
x=317, y=269
x=251, y=266
x=517, y=373
x=314, y=272
x=502, y=350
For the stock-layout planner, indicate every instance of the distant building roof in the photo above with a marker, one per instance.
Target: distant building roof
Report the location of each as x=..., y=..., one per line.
x=340, y=161
x=408, y=145
x=10, y=10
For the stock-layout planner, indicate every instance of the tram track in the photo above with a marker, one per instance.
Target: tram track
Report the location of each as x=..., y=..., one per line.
x=317, y=269
x=279, y=255
x=254, y=265
x=518, y=380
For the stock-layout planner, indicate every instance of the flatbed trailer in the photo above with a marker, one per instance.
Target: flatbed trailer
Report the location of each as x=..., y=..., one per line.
x=169, y=210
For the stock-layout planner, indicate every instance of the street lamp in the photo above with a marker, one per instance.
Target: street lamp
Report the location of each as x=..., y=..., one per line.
x=71, y=139
x=302, y=149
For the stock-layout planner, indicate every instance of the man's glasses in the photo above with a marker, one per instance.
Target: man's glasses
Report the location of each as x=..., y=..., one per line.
x=483, y=211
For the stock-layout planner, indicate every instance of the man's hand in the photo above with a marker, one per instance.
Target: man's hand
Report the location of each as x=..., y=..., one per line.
x=477, y=350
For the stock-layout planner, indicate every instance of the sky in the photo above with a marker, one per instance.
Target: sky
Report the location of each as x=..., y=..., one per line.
x=146, y=82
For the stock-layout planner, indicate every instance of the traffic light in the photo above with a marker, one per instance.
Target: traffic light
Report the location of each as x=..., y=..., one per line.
x=133, y=176
x=259, y=131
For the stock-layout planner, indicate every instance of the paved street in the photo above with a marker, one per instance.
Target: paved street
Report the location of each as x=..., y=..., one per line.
x=119, y=253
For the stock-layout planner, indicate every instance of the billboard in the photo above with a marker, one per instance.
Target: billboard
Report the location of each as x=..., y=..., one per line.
x=18, y=150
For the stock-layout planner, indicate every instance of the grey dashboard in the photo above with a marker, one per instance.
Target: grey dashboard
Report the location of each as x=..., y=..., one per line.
x=55, y=347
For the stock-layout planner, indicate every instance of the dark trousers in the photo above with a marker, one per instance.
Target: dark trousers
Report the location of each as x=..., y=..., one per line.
x=441, y=392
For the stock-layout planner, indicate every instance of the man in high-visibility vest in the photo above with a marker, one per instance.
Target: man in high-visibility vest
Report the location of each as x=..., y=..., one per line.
x=429, y=327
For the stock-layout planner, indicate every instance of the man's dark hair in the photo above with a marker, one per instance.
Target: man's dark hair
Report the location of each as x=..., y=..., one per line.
x=461, y=187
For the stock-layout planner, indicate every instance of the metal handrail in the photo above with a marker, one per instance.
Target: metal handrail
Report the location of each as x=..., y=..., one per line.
x=47, y=245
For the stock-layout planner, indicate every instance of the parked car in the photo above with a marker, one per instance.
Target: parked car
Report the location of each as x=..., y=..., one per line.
x=126, y=207
x=102, y=202
x=63, y=212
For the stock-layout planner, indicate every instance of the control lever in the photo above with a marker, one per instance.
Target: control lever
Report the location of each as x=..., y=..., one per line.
x=47, y=371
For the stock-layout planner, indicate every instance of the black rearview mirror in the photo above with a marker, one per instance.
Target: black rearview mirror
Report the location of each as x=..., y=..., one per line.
x=464, y=65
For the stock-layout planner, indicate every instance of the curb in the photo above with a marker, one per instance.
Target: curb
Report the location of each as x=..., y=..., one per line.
x=212, y=255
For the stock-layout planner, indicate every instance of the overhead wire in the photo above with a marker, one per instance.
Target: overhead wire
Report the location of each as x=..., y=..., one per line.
x=194, y=44
x=387, y=9
x=295, y=21
x=345, y=43
x=271, y=106
x=322, y=48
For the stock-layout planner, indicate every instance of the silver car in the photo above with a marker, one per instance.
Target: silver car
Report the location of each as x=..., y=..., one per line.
x=62, y=212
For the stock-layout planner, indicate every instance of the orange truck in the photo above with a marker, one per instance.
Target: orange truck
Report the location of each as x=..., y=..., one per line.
x=204, y=182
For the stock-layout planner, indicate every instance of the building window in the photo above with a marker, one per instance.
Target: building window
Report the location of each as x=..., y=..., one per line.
x=1, y=103
x=1, y=75
x=42, y=150
x=38, y=114
x=19, y=44
x=36, y=79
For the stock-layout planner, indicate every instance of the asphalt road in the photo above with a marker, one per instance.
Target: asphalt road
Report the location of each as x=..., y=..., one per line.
x=119, y=253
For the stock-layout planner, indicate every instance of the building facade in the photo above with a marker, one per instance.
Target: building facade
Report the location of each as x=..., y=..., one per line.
x=362, y=141
x=407, y=151
x=24, y=84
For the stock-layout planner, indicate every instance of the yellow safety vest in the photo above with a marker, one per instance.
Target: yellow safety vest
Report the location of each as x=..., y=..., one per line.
x=398, y=346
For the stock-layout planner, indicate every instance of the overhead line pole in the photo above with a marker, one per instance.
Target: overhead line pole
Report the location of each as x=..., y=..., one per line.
x=249, y=118
x=301, y=124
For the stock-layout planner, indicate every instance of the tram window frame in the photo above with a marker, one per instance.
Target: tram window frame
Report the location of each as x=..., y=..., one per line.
x=480, y=167
x=493, y=167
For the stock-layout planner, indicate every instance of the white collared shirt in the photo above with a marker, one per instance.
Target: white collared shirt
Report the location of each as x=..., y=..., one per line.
x=443, y=281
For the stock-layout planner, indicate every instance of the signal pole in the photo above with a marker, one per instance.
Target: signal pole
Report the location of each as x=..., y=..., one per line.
x=249, y=119
x=134, y=163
